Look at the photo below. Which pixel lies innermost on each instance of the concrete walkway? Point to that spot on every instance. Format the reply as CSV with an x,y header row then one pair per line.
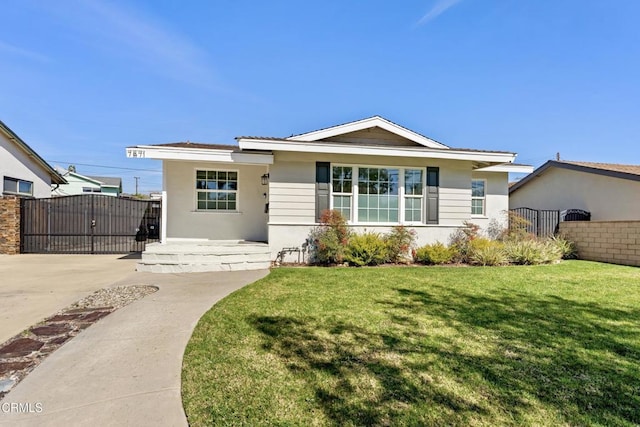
x,y
125,369
33,287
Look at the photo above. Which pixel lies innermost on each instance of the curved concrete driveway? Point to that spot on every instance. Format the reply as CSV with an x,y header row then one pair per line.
x,y
125,369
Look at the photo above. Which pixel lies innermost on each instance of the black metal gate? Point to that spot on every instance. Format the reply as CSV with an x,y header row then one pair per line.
x,y
88,224
542,223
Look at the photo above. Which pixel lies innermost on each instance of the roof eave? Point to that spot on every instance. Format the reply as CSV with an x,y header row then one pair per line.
x,y
328,148
56,178
198,154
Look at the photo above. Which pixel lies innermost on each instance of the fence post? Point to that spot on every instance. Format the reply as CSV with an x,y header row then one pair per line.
x,y
9,225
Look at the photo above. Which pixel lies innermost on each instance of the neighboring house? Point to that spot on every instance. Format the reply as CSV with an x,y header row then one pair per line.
x,y
24,173
608,191
84,184
377,173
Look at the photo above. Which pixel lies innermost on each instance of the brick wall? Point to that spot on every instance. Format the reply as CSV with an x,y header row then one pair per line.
x,y
9,225
617,242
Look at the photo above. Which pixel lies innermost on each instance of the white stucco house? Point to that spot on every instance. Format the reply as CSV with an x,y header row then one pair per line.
x,y
24,173
376,172
85,184
611,192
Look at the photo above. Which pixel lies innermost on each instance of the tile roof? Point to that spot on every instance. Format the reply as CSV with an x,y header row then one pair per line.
x,y
613,167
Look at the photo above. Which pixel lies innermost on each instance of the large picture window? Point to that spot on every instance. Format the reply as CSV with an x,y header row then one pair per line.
x,y
217,190
478,196
374,194
17,186
378,195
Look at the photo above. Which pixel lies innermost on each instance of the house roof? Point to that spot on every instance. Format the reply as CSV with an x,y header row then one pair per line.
x,y
387,139
108,181
205,146
613,170
368,123
56,178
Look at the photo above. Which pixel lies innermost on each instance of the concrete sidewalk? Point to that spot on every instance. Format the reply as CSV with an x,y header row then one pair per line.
x,y
33,287
125,369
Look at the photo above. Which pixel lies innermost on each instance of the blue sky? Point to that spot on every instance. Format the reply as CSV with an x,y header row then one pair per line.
x,y
82,79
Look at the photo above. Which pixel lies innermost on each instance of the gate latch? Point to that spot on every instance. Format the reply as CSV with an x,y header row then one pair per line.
x,y
93,223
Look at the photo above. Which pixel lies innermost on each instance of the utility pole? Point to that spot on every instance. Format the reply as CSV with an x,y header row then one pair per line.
x,y
136,178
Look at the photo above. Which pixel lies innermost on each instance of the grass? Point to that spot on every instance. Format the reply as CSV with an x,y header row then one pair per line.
x,y
545,345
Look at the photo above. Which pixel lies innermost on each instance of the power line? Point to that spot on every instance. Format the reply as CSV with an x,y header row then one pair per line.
x,y
102,166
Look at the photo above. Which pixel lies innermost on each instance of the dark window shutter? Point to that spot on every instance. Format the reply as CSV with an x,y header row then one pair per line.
x,y
323,178
433,182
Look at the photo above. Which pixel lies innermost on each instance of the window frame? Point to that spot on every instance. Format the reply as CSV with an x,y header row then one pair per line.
x,y
17,181
196,190
483,198
353,220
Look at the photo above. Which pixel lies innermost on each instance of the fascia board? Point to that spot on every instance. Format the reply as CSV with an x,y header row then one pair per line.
x,y
204,155
366,124
315,147
506,168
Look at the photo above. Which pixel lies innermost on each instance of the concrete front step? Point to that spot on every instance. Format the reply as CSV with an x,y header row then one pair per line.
x,y
201,256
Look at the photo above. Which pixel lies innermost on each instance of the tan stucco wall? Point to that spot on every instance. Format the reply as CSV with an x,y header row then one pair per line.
x,y
605,197
183,221
616,242
15,163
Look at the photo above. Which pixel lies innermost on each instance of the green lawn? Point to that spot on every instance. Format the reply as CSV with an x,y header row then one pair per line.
x,y
544,345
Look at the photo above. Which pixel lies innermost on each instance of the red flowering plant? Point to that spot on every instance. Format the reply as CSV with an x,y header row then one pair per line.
x,y
328,241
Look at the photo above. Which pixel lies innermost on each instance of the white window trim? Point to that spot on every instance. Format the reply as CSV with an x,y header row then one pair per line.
x,y
484,199
18,181
215,211
401,194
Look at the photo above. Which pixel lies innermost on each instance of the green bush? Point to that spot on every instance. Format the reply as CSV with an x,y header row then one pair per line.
x,y
366,249
329,241
436,253
532,252
483,251
566,247
400,241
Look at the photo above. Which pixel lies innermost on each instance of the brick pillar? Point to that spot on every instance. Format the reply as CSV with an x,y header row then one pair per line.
x,y
9,225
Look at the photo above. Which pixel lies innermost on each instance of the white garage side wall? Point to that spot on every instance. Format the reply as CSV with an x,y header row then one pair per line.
x,y
14,163
497,198
607,198
185,222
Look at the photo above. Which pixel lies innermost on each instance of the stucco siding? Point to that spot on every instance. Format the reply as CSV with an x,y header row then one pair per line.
x,y
184,221
607,198
14,163
497,198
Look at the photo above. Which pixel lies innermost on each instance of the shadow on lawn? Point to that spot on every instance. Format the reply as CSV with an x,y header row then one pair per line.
x,y
579,361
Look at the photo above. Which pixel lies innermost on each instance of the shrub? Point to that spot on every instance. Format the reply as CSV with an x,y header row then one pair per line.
x,y
532,252
366,249
566,247
436,253
518,228
483,251
328,242
399,242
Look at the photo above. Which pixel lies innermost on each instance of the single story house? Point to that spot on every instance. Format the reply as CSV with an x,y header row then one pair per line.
x,y
24,173
609,191
376,172
85,184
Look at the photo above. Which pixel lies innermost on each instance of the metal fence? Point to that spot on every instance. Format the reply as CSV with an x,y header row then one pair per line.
x,y
542,223
88,224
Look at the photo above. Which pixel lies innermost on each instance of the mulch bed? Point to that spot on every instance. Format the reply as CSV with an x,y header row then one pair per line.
x,y
22,353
